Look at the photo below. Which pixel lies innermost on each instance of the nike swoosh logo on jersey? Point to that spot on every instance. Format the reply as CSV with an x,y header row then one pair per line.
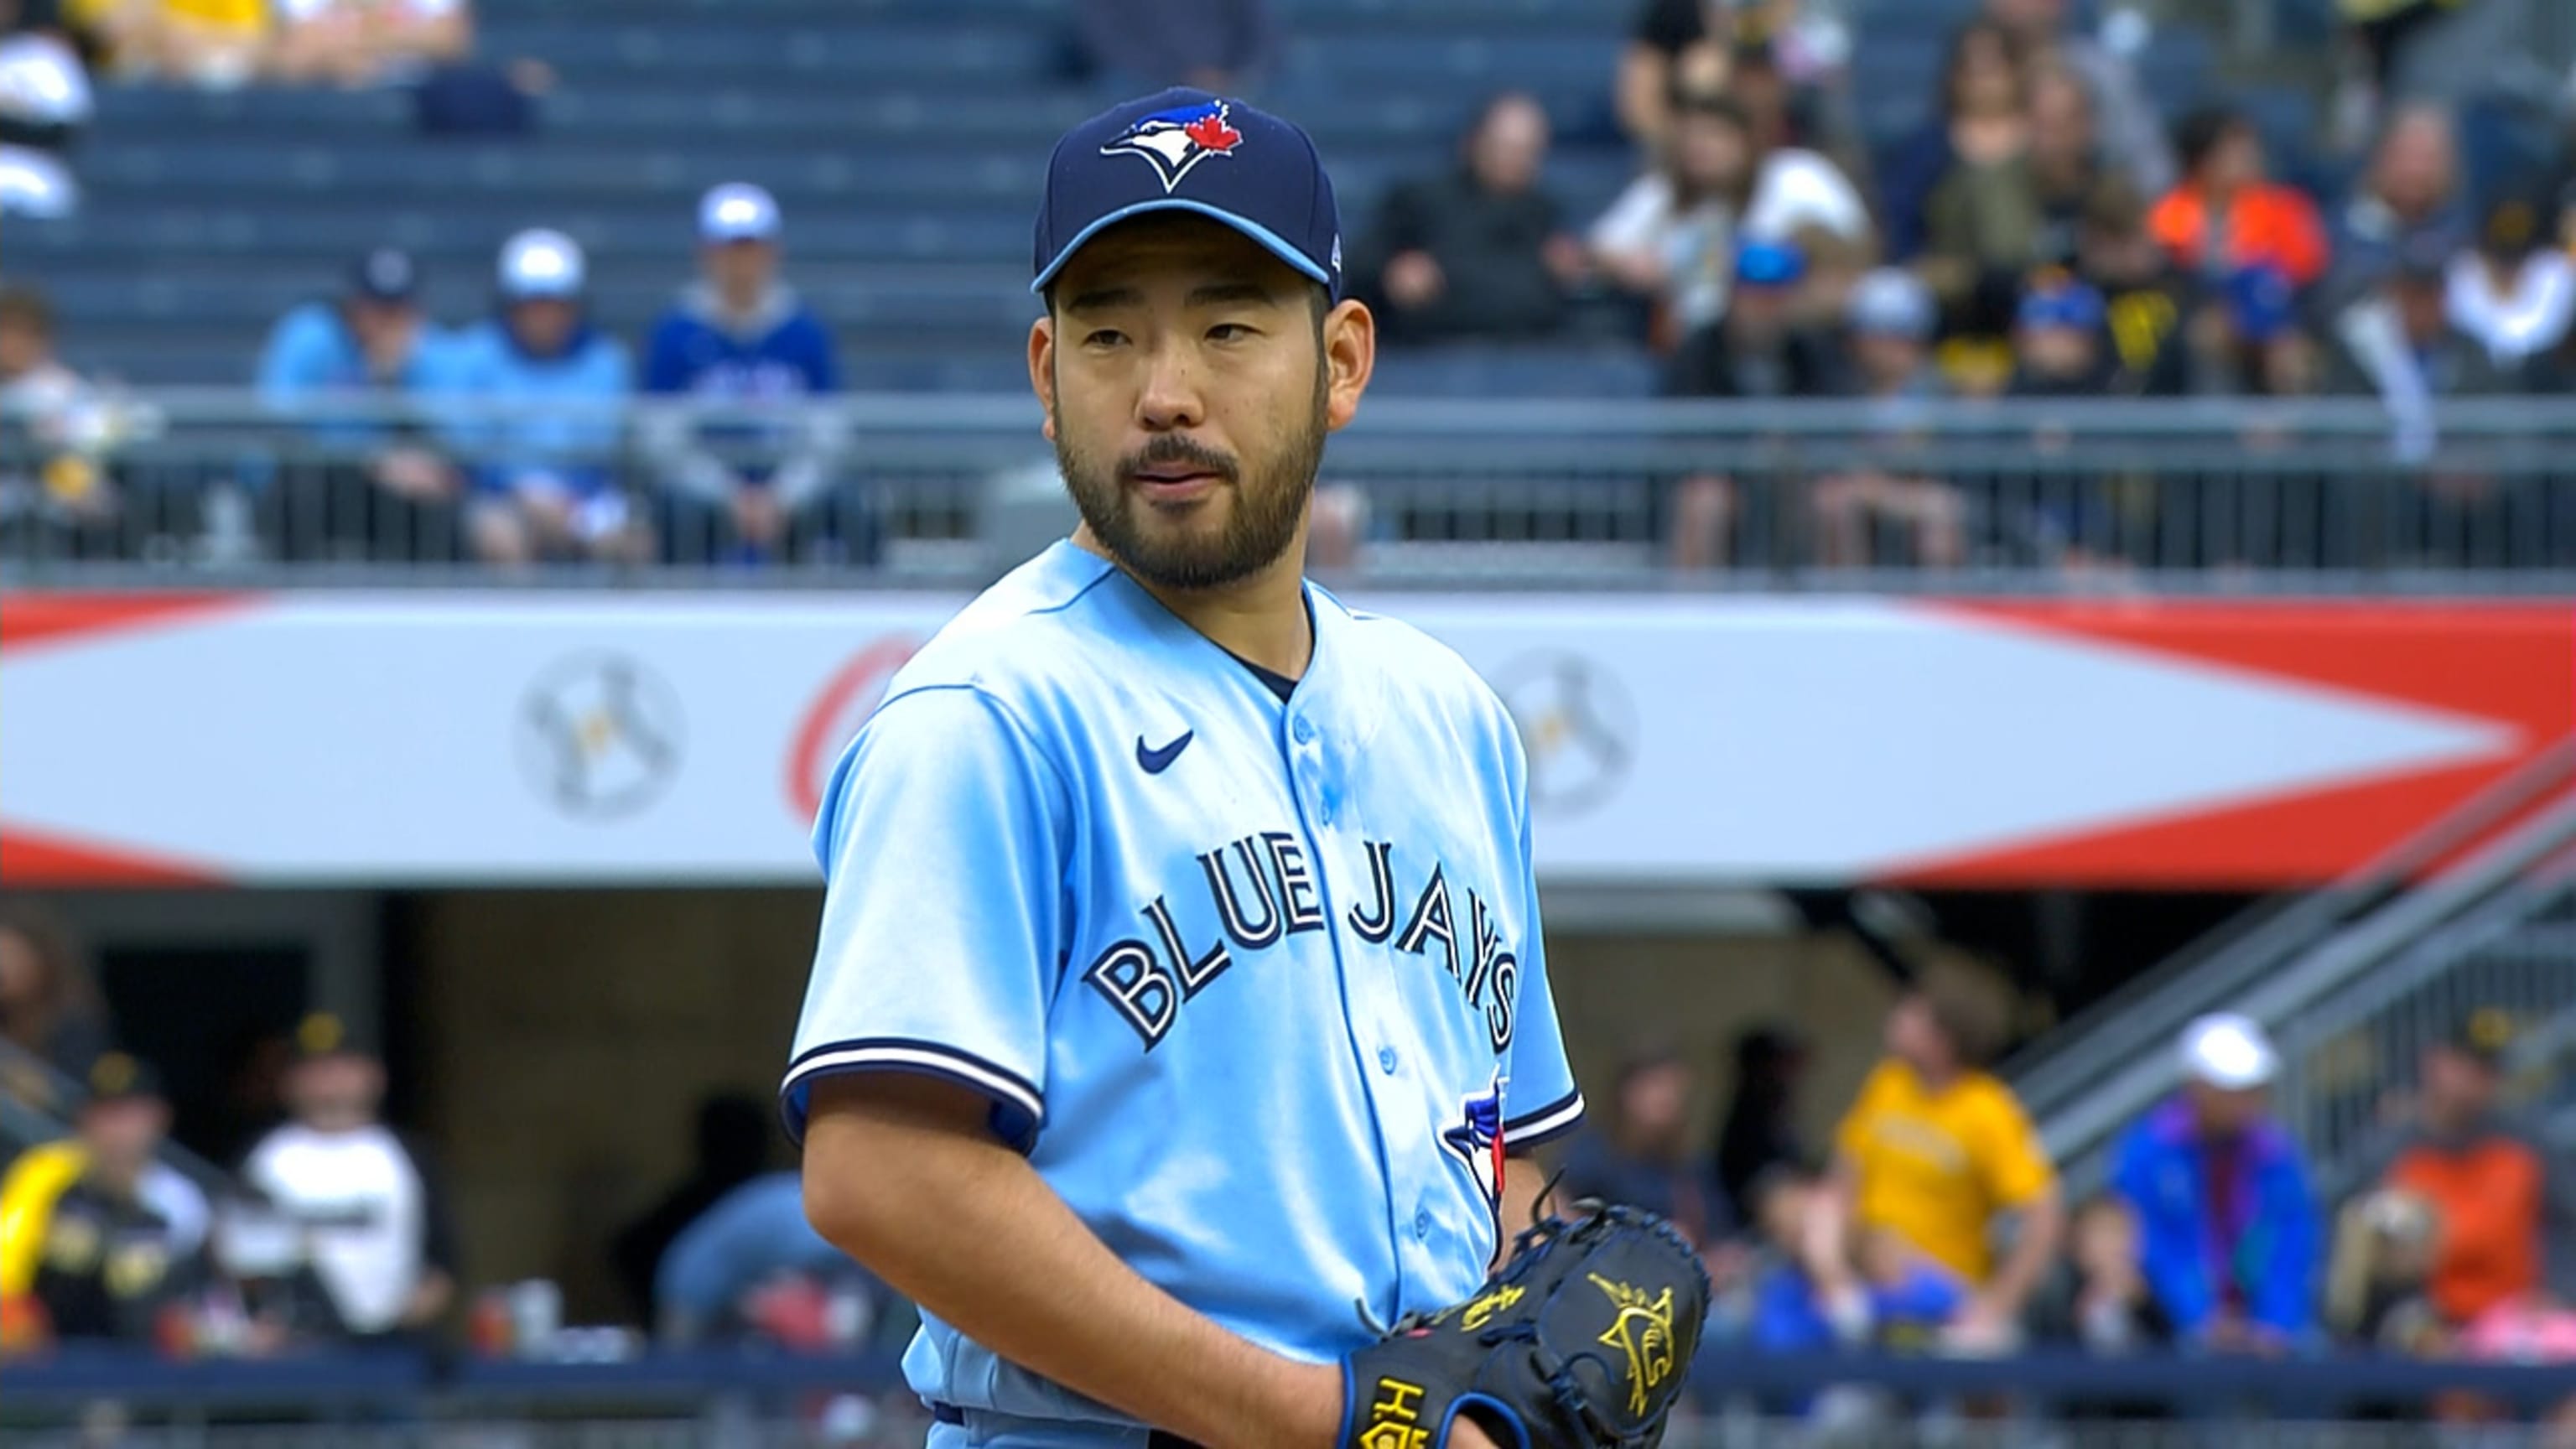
x,y
1157,761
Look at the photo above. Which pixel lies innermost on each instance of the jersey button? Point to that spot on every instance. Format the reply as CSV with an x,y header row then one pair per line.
x,y
1304,730
1386,1060
1422,1223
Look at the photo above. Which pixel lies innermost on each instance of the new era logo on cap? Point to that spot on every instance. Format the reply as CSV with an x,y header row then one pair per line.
x,y
1187,150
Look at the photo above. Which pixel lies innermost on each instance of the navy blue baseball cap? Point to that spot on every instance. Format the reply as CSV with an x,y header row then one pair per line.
x,y
1187,150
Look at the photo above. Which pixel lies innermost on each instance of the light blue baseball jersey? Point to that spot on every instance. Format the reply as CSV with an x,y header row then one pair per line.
x,y
1256,984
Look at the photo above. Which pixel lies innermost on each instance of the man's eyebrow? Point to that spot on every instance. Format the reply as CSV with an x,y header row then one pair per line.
x,y
1100,299
1217,293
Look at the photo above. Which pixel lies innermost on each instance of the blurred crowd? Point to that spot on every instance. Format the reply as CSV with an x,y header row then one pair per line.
x,y
2047,232
1931,1220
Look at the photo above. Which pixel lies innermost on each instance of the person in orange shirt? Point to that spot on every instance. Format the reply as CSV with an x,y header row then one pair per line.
x,y
1939,1153
2506,1205
2225,216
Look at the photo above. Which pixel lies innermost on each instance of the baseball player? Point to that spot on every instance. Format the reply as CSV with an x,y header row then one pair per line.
x,y
1179,1020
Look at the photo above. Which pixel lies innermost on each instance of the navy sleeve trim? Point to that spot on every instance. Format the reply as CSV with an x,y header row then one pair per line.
x,y
1021,1109
1547,1124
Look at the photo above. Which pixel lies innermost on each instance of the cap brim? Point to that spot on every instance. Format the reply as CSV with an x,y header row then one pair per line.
x,y
1270,241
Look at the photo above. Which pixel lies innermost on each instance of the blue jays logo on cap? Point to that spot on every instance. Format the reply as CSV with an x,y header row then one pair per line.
x,y
1177,140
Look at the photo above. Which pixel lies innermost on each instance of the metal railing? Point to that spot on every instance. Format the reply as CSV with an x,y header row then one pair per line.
x,y
2199,495
2214,971
2396,993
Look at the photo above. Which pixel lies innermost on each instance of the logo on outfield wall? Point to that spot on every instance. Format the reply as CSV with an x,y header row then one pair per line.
x,y
1578,725
600,735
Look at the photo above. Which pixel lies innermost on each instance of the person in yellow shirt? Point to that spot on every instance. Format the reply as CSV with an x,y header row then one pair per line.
x,y
1939,1152
198,42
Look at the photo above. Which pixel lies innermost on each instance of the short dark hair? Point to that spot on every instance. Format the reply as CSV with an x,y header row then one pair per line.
x,y
28,308
2201,133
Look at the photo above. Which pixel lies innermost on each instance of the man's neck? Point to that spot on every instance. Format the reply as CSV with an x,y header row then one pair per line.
x,y
1261,620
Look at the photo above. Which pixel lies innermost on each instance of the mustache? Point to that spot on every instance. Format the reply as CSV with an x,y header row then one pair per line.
x,y
1173,448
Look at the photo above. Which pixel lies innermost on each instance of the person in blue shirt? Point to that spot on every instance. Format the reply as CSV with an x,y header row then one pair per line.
x,y
530,403
345,366
739,343
2230,1239
750,1236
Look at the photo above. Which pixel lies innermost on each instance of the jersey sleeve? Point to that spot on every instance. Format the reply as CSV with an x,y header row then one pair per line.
x,y
1542,1103
942,841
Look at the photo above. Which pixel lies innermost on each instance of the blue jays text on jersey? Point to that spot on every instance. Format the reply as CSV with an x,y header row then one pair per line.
x,y
1257,985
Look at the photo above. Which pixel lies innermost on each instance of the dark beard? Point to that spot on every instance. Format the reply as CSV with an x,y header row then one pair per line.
x,y
1258,529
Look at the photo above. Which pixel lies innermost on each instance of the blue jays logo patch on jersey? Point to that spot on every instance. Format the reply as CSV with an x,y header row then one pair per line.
x,y
1477,1140
1177,140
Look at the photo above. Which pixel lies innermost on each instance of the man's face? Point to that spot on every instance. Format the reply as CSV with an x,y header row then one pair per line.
x,y
2458,1086
1759,312
1915,1037
121,1134
2238,160
2415,170
543,324
2056,351
1887,358
1188,396
1654,1103
23,348
1510,147
1711,152
740,271
383,328
336,1092
2225,1113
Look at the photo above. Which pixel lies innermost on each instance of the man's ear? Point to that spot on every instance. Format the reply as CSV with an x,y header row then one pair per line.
x,y
1350,359
1042,368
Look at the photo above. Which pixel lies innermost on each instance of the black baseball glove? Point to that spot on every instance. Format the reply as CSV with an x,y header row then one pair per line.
x,y
1580,1341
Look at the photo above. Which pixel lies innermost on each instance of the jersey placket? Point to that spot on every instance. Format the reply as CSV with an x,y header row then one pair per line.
x,y
1375,1011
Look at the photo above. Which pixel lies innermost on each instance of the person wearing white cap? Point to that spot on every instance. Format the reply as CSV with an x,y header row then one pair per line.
x,y
1887,324
538,414
739,339
2230,1238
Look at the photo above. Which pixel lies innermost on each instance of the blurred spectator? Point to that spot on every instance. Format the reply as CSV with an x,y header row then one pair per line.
x,y
2224,215
2410,191
1888,337
740,340
2143,301
2415,50
1761,1126
1839,1285
732,1146
1673,233
2111,1308
1137,47
2230,1238
2515,292
49,1007
2067,170
382,487
218,44
1479,252
56,490
45,105
1962,201
537,393
108,1261
1761,348
2132,131
1680,47
2397,343
1938,1152
2058,341
2504,1202
709,1284
2248,340
374,1224
357,43
1643,1158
